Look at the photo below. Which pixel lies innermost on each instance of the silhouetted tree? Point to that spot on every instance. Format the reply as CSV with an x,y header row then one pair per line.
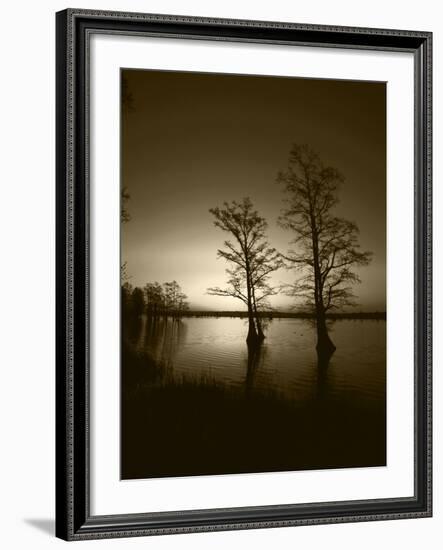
x,y
325,246
171,291
124,217
175,300
155,298
167,299
251,258
265,261
138,302
125,196
132,306
182,304
126,300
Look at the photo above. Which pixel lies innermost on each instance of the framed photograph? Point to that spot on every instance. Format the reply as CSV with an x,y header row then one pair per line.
x,y
243,274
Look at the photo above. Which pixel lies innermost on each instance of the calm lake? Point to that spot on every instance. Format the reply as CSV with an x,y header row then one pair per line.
x,y
215,348
195,401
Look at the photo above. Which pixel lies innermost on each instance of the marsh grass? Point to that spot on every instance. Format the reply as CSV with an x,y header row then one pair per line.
x,y
195,425
139,368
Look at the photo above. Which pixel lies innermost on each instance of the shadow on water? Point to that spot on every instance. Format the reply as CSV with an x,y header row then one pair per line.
x,y
323,382
162,338
149,350
131,329
255,358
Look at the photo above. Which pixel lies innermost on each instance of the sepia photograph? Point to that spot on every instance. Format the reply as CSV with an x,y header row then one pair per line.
x,y
253,274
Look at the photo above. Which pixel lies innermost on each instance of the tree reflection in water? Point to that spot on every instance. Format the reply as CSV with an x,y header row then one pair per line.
x,y
255,359
163,338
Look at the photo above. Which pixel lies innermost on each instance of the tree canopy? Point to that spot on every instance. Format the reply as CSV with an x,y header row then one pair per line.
x,y
250,257
325,247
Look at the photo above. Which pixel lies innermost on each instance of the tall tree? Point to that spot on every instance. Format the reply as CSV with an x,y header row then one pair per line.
x,y
124,214
182,304
138,301
171,292
250,257
124,218
325,247
175,299
155,298
126,299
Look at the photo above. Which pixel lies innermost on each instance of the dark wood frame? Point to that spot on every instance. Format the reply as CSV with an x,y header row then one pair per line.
x,y
73,518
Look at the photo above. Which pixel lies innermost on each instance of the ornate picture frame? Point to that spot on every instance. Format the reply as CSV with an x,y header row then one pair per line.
x,y
75,519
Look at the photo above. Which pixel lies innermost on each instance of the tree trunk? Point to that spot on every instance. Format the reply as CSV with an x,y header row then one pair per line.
x,y
260,333
325,346
252,337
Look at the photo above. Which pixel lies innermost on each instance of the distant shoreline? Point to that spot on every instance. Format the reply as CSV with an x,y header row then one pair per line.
x,y
377,315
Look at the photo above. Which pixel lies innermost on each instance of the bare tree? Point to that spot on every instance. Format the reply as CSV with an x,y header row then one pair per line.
x,y
251,260
175,299
326,247
125,217
138,302
155,299
124,276
265,261
165,300
124,214
171,292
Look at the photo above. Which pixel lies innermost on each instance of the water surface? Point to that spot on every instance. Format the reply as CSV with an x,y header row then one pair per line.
x,y
286,362
196,400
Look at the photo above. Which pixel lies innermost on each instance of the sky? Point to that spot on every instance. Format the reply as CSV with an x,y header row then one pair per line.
x,y
191,141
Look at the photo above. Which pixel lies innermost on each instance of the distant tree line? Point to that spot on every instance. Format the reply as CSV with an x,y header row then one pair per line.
x,y
154,299
165,300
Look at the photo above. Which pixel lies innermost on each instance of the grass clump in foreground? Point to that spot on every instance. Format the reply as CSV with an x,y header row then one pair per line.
x,y
199,426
